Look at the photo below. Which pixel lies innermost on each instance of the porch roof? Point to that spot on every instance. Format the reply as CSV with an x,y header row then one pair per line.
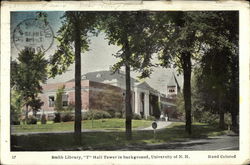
x,y
144,85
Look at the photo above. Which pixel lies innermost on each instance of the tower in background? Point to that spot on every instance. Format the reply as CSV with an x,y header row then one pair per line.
x,y
173,87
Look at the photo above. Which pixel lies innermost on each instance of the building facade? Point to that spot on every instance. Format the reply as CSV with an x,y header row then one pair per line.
x,y
104,90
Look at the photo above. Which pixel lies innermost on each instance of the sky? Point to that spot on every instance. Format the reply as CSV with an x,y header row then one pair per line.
x,y
98,58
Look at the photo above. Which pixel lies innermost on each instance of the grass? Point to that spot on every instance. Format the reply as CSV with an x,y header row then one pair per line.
x,y
176,132
108,124
110,140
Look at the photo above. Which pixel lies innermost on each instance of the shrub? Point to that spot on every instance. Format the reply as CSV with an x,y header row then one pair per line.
x,y
23,120
32,120
15,122
106,115
43,119
57,118
136,116
118,115
16,103
85,116
111,112
210,118
15,119
70,107
95,114
151,118
101,115
51,117
67,117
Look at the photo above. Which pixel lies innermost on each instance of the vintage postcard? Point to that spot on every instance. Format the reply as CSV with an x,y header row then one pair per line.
x,y
125,82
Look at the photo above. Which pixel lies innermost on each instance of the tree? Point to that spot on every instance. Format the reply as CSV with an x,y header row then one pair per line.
x,y
218,83
16,106
139,41
27,75
73,40
35,104
171,36
58,102
126,29
177,44
219,66
182,38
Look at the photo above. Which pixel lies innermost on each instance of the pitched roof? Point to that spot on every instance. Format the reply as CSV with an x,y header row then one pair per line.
x,y
173,81
100,76
145,85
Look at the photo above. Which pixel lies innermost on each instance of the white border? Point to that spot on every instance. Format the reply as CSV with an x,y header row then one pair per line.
x,y
196,157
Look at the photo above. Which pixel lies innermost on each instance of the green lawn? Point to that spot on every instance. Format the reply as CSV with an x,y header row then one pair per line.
x,y
110,140
108,124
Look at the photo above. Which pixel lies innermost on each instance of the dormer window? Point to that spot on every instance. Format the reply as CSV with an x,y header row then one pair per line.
x,y
98,75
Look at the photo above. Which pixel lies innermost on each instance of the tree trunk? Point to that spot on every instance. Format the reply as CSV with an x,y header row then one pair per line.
x,y
128,105
78,101
128,108
186,66
235,94
221,111
222,122
234,122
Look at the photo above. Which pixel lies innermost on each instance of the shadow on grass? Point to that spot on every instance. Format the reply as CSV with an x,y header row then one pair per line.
x,y
112,140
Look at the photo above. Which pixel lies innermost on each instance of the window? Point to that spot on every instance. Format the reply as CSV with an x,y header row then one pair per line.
x,y
65,100
51,101
171,90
